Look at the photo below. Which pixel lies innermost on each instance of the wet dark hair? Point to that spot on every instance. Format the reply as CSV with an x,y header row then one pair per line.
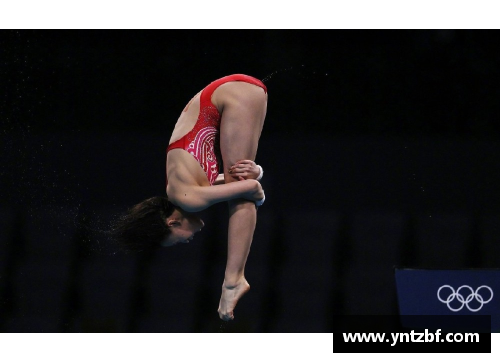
x,y
143,226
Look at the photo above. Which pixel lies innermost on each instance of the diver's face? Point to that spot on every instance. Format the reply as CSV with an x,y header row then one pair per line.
x,y
183,226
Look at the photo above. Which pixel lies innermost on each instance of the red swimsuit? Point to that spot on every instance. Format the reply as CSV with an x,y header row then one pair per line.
x,y
203,140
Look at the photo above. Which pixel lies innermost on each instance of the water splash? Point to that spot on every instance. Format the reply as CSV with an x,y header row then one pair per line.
x,y
302,71
269,76
222,327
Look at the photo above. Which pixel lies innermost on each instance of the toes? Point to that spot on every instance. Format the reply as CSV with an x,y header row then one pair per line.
x,y
226,317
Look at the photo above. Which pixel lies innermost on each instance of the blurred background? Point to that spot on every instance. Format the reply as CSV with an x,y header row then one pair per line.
x,y
380,149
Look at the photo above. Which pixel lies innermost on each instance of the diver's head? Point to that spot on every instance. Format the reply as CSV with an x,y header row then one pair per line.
x,y
153,223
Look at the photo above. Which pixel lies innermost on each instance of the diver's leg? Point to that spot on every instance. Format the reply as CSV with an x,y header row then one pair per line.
x,y
241,126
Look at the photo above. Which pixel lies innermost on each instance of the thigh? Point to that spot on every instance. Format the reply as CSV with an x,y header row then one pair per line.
x,y
241,123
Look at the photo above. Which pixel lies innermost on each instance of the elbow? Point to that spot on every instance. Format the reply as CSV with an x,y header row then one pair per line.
x,y
255,185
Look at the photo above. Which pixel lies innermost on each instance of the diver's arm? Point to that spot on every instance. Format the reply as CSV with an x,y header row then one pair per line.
x,y
198,198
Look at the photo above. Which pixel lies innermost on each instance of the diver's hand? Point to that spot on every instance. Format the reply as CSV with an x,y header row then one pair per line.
x,y
245,170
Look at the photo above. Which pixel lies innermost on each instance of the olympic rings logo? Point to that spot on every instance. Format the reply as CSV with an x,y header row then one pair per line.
x,y
479,297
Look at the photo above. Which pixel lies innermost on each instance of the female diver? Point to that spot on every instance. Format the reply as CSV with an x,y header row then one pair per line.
x,y
224,119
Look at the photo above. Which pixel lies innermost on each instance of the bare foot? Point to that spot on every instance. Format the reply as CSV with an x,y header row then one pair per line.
x,y
230,296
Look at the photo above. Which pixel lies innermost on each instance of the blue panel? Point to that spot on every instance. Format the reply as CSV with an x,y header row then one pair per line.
x,y
461,292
